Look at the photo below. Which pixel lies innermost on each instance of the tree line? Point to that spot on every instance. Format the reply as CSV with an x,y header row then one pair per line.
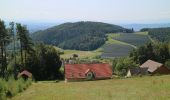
x,y
41,60
159,34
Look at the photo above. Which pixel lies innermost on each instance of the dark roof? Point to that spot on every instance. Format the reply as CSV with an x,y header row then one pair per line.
x,y
25,72
151,65
78,71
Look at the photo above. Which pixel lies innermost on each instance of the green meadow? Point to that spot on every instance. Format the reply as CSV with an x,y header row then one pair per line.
x,y
135,88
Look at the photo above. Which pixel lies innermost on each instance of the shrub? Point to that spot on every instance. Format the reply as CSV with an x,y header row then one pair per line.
x,y
12,87
3,89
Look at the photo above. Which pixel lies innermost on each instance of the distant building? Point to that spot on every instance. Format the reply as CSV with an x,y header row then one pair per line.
x,y
74,72
155,67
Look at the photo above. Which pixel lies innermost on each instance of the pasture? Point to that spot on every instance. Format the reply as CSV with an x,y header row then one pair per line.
x,y
81,54
136,88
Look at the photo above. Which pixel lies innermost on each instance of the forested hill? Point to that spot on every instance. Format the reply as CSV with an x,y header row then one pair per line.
x,y
79,35
160,34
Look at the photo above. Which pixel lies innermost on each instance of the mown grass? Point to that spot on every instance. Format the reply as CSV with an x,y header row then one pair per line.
x,y
137,88
81,54
141,33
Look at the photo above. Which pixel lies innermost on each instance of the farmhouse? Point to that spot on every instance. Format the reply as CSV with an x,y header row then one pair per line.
x,y
155,67
25,74
75,72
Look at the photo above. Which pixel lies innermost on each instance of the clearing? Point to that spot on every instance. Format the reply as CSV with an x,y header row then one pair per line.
x,y
136,88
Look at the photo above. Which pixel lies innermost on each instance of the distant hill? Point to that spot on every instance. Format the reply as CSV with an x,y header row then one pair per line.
x,y
138,27
79,35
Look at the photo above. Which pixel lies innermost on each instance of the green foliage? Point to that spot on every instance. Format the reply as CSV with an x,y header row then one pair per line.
x,y
167,63
4,40
11,87
79,36
3,89
44,63
154,51
121,65
144,29
160,34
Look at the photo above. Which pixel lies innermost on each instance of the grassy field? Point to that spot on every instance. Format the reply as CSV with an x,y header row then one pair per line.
x,y
82,54
137,88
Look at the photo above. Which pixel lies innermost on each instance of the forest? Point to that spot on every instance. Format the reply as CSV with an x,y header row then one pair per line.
x,y
80,35
159,34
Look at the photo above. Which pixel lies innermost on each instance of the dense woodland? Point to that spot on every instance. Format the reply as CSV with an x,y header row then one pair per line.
x,y
79,36
160,34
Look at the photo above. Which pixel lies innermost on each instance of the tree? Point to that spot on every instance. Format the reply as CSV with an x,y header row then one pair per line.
x,y
12,32
121,65
4,39
44,63
154,51
167,63
25,42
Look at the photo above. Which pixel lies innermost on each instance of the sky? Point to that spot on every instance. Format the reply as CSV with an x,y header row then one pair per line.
x,y
113,11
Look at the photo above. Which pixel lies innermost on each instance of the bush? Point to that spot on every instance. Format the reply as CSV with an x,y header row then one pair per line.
x,y
11,87
3,89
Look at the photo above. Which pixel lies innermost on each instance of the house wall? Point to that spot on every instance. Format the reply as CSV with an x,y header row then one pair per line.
x,y
162,70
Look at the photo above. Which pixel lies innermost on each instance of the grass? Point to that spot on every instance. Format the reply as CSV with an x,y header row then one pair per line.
x,y
141,33
81,54
137,88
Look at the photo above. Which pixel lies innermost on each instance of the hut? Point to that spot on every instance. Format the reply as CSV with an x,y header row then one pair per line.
x,y
154,67
25,74
75,72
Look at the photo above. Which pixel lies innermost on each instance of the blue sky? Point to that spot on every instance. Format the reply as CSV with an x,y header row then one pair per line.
x,y
113,11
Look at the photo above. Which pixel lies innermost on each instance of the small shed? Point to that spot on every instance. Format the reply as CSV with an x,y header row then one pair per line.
x,y
87,71
25,74
154,67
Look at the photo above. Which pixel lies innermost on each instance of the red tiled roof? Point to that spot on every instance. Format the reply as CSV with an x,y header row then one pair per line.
x,y
25,72
78,71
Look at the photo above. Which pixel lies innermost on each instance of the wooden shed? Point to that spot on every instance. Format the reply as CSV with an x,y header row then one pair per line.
x,y
25,74
154,67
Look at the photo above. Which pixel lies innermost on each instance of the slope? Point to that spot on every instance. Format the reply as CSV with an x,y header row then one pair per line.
x,y
77,36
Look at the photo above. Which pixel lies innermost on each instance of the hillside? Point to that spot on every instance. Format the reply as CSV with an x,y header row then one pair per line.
x,y
78,36
160,34
115,46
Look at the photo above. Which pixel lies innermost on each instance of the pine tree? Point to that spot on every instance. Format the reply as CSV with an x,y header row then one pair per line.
x,y
4,39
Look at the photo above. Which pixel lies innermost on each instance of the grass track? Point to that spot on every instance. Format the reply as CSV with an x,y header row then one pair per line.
x,y
137,88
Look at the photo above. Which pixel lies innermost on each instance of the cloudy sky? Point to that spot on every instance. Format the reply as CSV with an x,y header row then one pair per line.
x,y
114,11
